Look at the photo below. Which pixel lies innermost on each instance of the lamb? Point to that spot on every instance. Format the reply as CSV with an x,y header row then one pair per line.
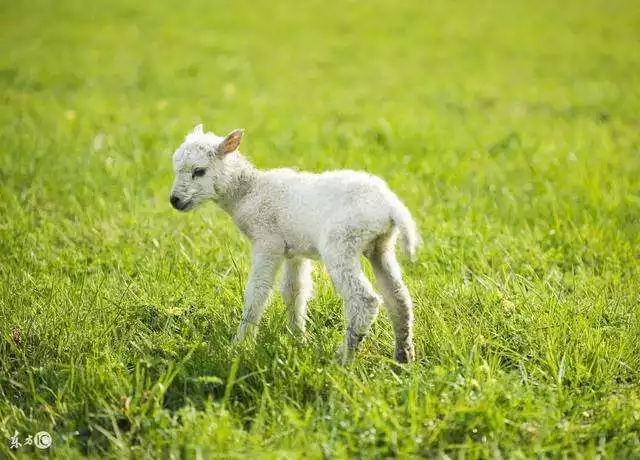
x,y
291,217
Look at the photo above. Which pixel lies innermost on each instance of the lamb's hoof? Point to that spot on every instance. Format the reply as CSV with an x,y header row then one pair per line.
x,y
239,340
343,356
405,353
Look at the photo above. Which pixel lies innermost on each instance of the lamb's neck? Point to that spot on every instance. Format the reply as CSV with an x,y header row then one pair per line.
x,y
240,183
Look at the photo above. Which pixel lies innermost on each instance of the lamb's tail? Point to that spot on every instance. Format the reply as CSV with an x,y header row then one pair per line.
x,y
410,239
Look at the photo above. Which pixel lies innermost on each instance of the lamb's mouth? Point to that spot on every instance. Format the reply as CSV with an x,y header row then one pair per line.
x,y
184,206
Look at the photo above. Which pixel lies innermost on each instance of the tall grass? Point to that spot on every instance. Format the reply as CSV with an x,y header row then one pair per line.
x,y
510,129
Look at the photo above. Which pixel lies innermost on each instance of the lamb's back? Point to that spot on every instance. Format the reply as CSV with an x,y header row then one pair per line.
x,y
317,197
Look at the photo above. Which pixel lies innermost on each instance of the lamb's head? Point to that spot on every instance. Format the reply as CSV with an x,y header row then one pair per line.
x,y
202,167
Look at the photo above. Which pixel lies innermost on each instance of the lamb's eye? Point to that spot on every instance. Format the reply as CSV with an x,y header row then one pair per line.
x,y
198,172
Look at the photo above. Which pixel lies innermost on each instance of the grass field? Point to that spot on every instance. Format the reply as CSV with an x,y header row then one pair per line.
x,y
509,128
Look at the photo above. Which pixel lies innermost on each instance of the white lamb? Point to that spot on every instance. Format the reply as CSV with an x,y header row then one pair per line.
x,y
294,216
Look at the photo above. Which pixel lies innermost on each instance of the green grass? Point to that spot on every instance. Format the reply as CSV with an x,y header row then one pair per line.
x,y
509,128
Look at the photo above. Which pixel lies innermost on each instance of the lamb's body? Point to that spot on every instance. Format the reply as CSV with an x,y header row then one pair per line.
x,y
300,213
294,216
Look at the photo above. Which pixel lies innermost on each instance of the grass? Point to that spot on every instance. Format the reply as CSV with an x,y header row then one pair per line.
x,y
509,128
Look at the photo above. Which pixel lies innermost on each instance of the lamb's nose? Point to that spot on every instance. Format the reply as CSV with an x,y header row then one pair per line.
x,y
175,201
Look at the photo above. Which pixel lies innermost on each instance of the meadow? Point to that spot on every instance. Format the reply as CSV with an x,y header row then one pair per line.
x,y
511,130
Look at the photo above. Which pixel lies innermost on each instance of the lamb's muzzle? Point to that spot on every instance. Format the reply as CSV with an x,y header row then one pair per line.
x,y
177,203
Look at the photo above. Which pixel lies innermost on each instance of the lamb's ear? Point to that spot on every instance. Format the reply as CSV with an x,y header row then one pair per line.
x,y
231,142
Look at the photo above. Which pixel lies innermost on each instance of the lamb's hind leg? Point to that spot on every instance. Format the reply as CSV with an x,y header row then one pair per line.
x,y
296,287
361,301
396,296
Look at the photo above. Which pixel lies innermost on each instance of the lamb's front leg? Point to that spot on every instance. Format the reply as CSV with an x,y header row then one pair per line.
x,y
264,267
